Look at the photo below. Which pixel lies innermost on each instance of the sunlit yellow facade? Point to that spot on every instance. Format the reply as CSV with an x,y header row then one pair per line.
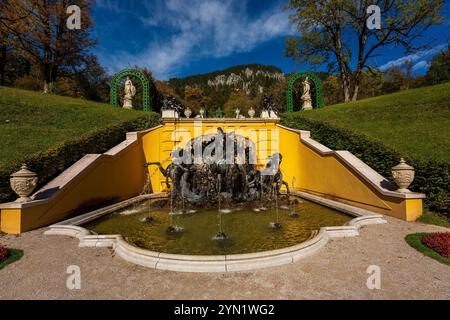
x,y
120,173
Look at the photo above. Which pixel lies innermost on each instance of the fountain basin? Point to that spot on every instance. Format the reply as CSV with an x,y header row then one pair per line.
x,y
219,262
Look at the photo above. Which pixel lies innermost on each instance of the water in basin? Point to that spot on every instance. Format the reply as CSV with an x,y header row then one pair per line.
x,y
247,230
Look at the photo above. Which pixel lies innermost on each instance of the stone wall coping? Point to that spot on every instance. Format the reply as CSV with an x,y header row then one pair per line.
x,y
74,171
377,181
225,120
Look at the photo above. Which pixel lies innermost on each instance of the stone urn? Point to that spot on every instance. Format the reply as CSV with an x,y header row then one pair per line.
x,y
23,183
251,112
188,112
403,175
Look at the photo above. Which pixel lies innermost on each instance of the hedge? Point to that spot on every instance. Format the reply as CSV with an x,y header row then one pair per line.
x,y
432,177
52,162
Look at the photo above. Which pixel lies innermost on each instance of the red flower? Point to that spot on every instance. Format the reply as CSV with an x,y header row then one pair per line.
x,y
3,253
439,242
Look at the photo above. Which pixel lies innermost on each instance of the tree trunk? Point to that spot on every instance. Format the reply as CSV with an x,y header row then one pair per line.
x,y
355,92
345,86
2,64
357,85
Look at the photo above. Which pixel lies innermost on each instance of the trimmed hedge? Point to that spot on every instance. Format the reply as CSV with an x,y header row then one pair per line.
x,y
52,162
432,177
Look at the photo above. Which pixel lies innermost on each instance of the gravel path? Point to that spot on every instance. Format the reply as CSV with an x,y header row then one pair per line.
x,y
337,271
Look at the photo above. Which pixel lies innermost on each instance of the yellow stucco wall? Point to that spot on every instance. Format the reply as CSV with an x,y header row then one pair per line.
x,y
107,180
113,178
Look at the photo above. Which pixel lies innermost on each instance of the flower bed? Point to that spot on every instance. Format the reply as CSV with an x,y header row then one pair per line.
x,y
439,242
3,253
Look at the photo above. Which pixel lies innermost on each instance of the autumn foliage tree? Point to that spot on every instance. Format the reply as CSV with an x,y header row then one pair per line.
x,y
336,33
196,99
39,32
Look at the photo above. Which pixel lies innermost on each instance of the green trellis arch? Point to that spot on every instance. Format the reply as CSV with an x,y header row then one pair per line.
x,y
144,82
316,90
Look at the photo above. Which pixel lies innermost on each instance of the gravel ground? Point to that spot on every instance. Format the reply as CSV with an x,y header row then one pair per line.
x,y
337,271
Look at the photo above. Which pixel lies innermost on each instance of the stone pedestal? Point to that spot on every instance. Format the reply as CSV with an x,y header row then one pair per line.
x,y
170,114
127,103
265,114
307,104
273,115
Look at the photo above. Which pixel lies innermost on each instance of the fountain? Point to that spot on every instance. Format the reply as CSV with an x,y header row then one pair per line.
x,y
214,179
205,181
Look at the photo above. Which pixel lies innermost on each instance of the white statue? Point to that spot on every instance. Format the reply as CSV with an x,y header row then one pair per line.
x,y
130,92
306,97
238,113
273,115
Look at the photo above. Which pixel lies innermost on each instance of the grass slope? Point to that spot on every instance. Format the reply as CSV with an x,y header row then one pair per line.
x,y
413,122
435,219
32,122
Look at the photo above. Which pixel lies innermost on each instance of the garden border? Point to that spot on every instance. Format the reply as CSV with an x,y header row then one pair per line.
x,y
414,240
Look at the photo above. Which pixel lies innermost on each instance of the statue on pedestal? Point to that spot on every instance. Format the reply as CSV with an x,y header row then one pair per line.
x,y
306,97
130,92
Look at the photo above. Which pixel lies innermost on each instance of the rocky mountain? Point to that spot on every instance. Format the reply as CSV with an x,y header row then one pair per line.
x,y
253,79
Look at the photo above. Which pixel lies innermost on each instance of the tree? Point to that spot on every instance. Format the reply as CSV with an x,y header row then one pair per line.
x,y
394,80
238,100
92,80
278,92
195,99
335,32
43,38
12,13
439,70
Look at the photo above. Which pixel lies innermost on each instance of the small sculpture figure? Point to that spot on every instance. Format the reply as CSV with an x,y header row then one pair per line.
x,y
188,112
306,97
238,113
202,113
269,109
130,92
251,112
273,115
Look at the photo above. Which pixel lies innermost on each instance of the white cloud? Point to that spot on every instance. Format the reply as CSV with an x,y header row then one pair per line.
x,y
199,29
420,65
417,58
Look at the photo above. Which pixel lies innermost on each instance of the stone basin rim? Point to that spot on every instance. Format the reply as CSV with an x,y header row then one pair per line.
x,y
213,263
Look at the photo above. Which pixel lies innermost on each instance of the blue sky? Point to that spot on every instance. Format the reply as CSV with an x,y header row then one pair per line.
x,y
177,38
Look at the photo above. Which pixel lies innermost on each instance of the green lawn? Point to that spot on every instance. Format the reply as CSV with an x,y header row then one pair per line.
x,y
413,122
31,122
13,256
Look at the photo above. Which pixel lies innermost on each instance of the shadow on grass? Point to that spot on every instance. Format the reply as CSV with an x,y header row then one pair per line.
x,y
414,240
13,256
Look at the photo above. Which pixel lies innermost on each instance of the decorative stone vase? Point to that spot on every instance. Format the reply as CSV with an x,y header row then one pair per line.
x,y
188,112
251,112
403,175
23,183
